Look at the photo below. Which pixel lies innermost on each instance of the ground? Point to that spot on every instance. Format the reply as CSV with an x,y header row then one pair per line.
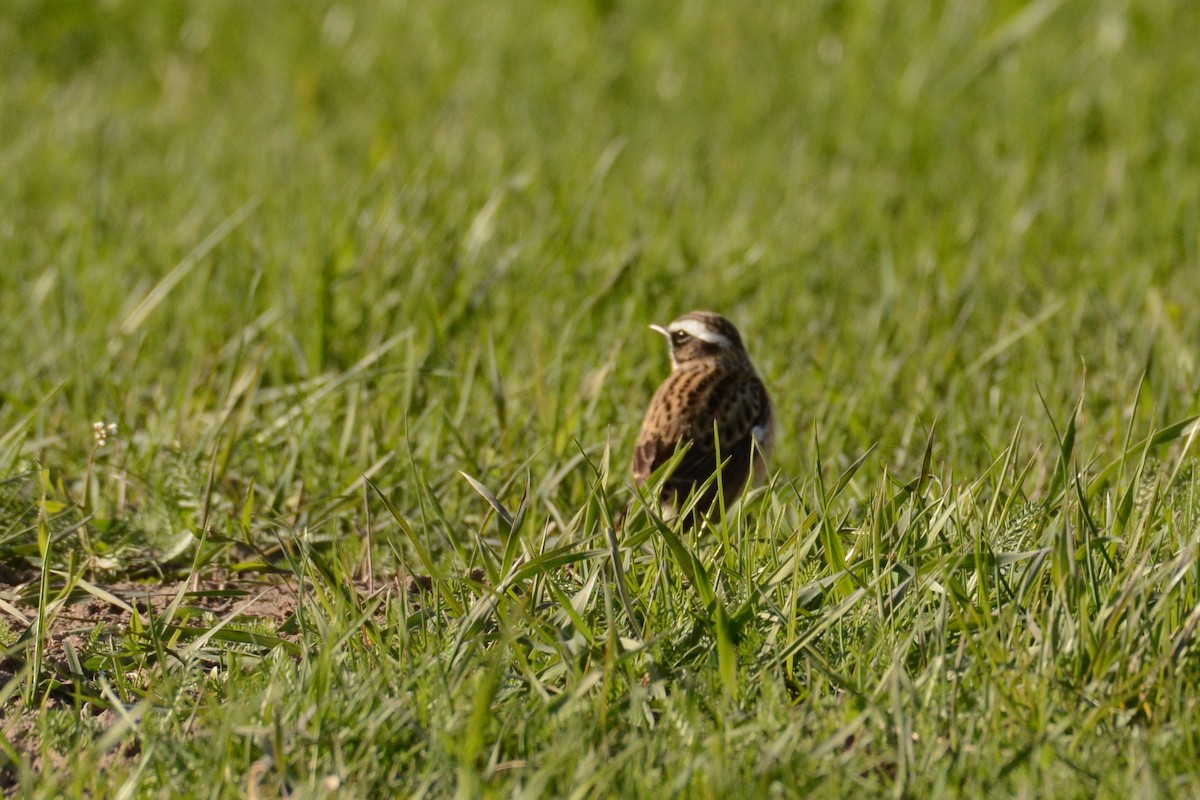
x,y
325,346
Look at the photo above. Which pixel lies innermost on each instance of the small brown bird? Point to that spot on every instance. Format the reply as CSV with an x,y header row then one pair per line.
x,y
712,384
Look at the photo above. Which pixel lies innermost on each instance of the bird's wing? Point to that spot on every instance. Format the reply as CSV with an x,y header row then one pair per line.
x,y
664,428
739,401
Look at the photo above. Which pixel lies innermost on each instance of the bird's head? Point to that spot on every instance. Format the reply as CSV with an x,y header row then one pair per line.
x,y
701,335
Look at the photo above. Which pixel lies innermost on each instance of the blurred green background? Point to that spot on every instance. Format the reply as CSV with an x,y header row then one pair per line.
x,y
911,211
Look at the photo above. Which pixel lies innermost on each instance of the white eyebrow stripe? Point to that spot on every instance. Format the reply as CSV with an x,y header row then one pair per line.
x,y
700,331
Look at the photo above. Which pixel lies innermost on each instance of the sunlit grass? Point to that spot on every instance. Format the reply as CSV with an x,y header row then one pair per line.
x,y
363,292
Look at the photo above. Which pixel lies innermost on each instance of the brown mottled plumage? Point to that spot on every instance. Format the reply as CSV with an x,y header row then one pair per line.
x,y
712,384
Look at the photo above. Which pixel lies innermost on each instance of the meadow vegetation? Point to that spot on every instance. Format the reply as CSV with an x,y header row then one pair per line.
x,y
364,288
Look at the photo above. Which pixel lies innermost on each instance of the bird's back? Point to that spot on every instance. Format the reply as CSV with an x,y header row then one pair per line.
x,y
693,401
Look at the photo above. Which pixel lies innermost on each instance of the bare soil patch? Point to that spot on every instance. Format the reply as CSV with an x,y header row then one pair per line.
x,y
88,617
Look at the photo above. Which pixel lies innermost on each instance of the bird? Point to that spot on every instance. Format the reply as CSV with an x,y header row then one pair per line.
x,y
713,386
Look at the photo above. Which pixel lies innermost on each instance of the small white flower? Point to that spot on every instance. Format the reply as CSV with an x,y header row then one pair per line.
x,y
102,432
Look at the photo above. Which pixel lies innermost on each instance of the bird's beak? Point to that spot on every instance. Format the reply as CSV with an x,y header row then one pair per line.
x,y
661,329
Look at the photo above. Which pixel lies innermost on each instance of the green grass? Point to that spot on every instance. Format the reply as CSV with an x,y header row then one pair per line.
x,y
318,261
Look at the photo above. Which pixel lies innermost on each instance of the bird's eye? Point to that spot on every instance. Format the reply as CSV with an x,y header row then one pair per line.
x,y
680,337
